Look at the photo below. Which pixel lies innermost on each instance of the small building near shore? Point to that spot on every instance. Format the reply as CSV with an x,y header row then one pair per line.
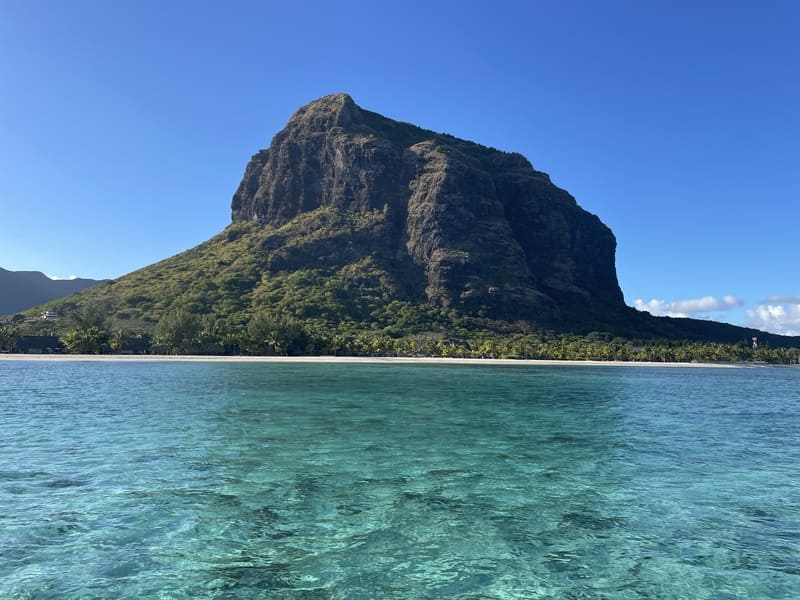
x,y
39,344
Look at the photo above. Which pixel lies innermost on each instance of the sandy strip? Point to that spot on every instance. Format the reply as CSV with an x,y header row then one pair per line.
x,y
355,359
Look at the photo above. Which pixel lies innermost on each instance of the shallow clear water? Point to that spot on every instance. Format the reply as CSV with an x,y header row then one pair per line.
x,y
220,480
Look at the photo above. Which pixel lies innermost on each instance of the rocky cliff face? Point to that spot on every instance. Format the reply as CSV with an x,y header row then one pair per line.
x,y
454,223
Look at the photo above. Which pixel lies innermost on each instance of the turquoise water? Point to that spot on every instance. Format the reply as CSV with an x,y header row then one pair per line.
x,y
234,480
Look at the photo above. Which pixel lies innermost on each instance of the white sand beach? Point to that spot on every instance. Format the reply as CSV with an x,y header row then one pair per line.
x,y
355,359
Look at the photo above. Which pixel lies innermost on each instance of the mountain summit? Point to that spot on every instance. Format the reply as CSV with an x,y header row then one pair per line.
x,y
449,222
356,233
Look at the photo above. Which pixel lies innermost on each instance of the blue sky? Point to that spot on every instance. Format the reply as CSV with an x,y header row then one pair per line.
x,y
125,127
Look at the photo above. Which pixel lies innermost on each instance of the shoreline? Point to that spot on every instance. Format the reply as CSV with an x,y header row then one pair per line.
x,y
358,359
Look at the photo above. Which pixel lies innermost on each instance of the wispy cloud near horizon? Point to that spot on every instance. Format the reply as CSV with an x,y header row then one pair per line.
x,y
781,299
687,308
781,316
57,278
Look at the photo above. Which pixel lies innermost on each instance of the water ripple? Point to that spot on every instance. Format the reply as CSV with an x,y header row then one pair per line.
x,y
375,481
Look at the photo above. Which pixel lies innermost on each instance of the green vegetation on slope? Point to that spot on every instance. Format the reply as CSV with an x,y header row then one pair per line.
x,y
314,286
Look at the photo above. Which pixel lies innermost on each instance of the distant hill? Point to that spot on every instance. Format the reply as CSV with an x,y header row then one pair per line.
x,y
21,290
351,223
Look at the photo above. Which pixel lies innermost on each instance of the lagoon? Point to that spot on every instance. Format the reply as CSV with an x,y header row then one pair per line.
x,y
327,480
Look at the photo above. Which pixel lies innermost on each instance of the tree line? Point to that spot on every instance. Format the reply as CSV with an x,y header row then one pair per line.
x,y
274,334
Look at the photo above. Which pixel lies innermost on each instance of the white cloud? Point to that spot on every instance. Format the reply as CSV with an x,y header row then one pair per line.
x,y
57,278
686,308
777,314
656,307
782,318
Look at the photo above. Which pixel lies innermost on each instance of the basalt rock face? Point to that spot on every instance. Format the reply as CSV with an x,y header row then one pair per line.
x,y
454,223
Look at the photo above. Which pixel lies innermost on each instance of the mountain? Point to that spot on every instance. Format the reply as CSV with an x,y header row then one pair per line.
x,y
451,223
352,222
21,290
